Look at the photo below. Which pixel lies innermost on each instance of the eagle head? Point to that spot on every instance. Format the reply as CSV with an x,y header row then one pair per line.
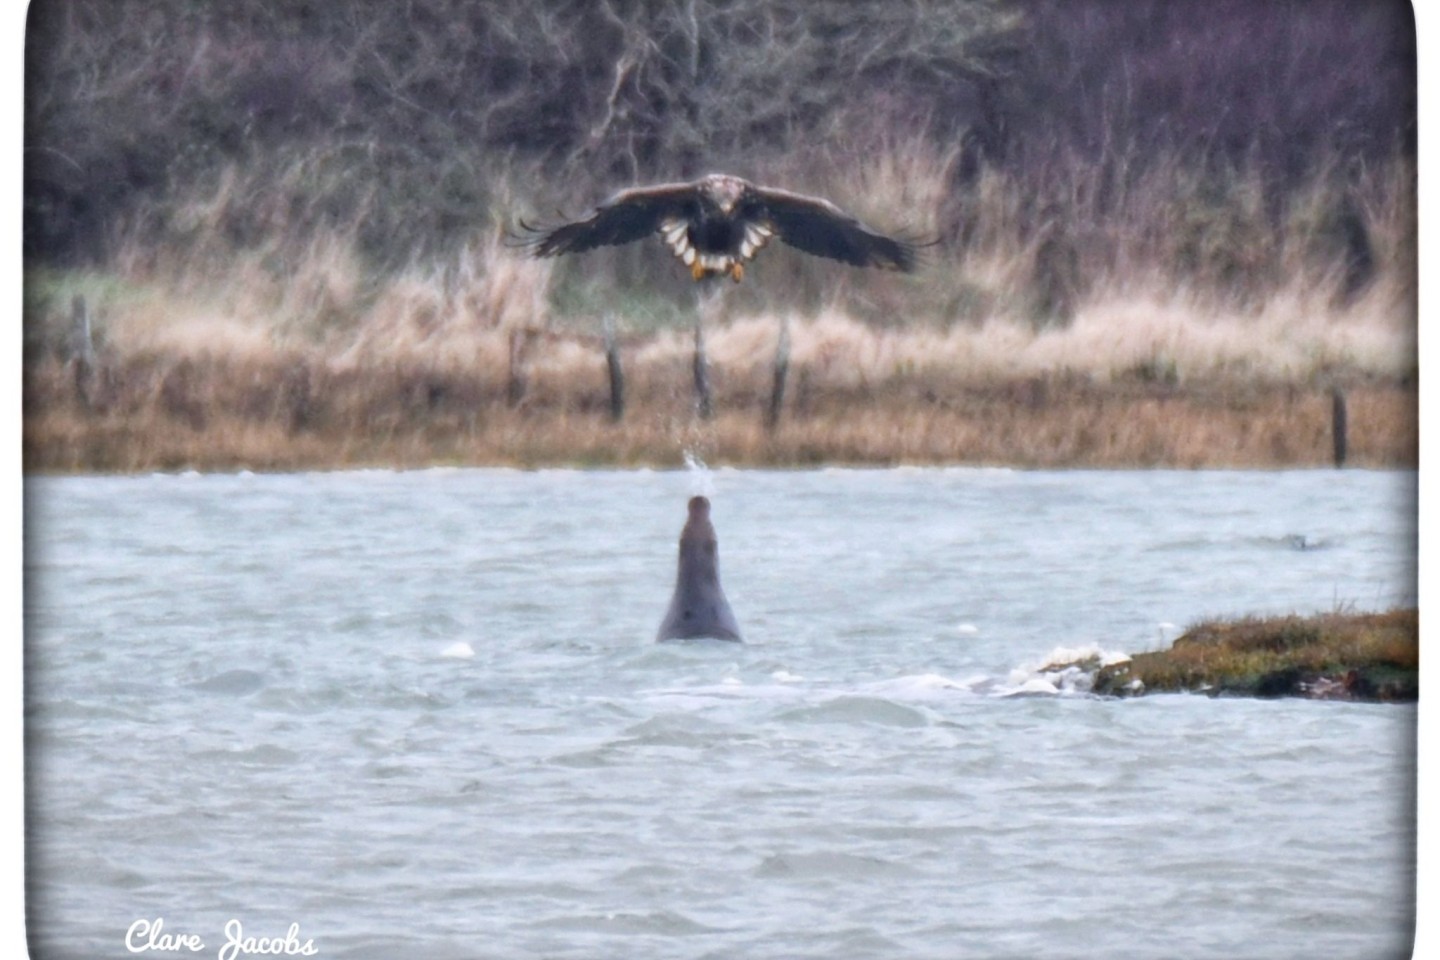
x,y
724,190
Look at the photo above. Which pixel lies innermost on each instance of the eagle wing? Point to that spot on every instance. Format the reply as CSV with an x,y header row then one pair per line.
x,y
627,216
816,226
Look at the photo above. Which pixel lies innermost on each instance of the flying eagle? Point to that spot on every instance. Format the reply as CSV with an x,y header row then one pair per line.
x,y
715,224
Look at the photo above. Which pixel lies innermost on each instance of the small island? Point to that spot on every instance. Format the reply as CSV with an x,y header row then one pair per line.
x,y
1372,657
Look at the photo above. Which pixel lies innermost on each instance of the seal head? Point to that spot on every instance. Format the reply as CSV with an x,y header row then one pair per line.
x,y
698,608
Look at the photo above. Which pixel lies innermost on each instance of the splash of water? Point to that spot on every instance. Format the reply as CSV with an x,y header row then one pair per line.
x,y
702,480
1064,670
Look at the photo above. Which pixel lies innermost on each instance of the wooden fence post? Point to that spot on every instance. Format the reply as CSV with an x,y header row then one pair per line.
x,y
782,368
515,385
617,375
82,351
1339,425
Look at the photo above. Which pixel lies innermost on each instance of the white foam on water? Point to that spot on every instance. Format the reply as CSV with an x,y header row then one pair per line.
x,y
458,651
967,628
1062,671
1065,656
1069,680
1033,686
921,686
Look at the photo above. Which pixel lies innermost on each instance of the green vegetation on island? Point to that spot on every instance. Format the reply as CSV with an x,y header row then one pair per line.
x,y
1332,656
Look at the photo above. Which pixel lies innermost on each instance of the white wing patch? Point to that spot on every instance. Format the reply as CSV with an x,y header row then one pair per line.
x,y
756,236
675,233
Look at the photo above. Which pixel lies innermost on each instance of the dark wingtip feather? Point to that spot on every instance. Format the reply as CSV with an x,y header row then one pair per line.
x,y
521,236
913,252
923,253
534,239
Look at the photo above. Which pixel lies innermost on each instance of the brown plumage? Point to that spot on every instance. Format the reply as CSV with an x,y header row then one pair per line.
x,y
717,223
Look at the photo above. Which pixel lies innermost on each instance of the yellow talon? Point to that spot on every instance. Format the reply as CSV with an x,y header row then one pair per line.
x,y
697,270
737,270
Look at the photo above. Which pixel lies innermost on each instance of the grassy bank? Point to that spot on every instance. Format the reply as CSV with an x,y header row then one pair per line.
x,y
1188,320
220,415
1347,656
177,383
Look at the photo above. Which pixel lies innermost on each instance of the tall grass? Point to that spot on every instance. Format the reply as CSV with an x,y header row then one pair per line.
x,y
1208,273
1176,317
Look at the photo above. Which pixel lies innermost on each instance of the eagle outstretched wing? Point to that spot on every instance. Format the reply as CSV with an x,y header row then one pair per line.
x,y
628,215
717,223
818,227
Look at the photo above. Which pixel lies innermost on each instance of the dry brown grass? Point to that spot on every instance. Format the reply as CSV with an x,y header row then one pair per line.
x,y
290,353
306,409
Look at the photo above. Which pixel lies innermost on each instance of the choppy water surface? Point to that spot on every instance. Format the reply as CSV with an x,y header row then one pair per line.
x,y
420,714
